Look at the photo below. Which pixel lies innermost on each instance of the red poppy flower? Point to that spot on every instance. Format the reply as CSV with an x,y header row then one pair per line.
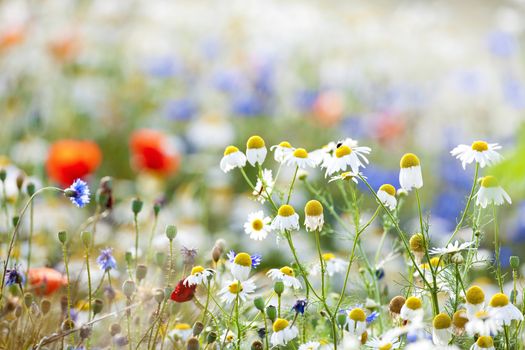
x,y
152,150
45,280
69,160
182,293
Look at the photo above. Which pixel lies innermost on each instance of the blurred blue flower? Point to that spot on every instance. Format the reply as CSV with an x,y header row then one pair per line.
x,y
502,44
14,276
372,317
305,99
514,92
181,109
228,81
78,193
299,306
105,260
162,67
247,105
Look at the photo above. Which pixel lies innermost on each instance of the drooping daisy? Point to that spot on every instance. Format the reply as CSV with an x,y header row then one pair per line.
x,y
256,150
480,151
442,329
417,246
183,331
356,321
300,158
286,275
242,263
459,320
412,310
322,154
475,300
346,156
346,176
258,226
483,323
198,275
504,311
451,248
233,158
333,264
286,219
314,218
236,289
282,151
263,188
387,196
491,192
410,174
484,342
283,332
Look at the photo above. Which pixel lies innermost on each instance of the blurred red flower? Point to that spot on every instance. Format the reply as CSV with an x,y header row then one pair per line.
x,y
69,160
182,293
152,150
45,280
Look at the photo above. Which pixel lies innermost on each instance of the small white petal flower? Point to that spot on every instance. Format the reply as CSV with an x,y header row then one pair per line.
x,y
314,217
198,275
286,275
256,150
442,329
503,310
451,248
264,187
242,263
233,158
283,332
258,226
347,175
412,309
236,288
182,330
286,219
345,156
484,342
356,322
387,196
300,158
410,174
481,152
333,265
491,193
282,151
483,323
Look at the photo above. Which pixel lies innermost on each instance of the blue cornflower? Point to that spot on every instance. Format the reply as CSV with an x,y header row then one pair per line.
x,y
380,273
105,260
78,193
372,317
14,276
300,305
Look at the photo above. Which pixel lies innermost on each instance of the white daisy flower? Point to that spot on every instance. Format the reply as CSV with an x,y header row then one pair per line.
x,y
242,263
490,192
314,218
198,275
233,158
387,341
475,298
356,322
236,289
410,174
483,323
345,156
256,150
480,151
504,311
333,265
484,342
286,219
451,248
322,154
300,158
442,329
264,187
412,310
228,338
182,331
283,332
347,175
282,151
286,275
387,196
312,345
258,226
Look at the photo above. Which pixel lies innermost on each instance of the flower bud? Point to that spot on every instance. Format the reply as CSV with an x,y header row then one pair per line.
x,y
396,304
211,337
3,175
159,295
156,208
259,303
62,237
457,258
197,328
302,174
514,262
136,206
98,305
271,312
160,259
341,319
257,345
278,287
85,332
128,288
28,299
171,232
15,220
141,272
114,329
30,189
86,237
45,306
128,257
216,254
193,344
67,325
20,178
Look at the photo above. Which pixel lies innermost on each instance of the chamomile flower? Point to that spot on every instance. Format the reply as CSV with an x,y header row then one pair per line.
x,y
504,311
442,329
346,176
300,158
256,150
227,337
412,310
417,246
475,298
344,157
198,275
333,265
356,321
322,154
312,345
242,263
314,218
483,323
263,188
387,341
490,192
387,196
459,320
484,342
233,158
258,226
410,174
286,275
286,219
283,332
480,151
236,289
451,248
183,331
282,151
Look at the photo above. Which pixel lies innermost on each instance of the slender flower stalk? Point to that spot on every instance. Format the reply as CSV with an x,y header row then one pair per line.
x,y
499,277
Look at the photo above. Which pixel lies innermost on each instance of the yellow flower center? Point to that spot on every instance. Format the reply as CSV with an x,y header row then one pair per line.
x,y
482,314
182,326
459,319
313,208
357,314
197,269
391,190
499,300
286,210
230,337
287,270
235,287
280,324
300,153
243,259
442,321
255,142
230,150
257,224
285,144
489,181
347,175
475,295
485,342
480,146
409,160
413,303
328,256
417,244
386,346
342,151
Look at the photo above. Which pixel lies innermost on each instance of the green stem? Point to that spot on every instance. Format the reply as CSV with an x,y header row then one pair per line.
x,y
497,249
68,296
321,262
136,224
292,184
30,243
